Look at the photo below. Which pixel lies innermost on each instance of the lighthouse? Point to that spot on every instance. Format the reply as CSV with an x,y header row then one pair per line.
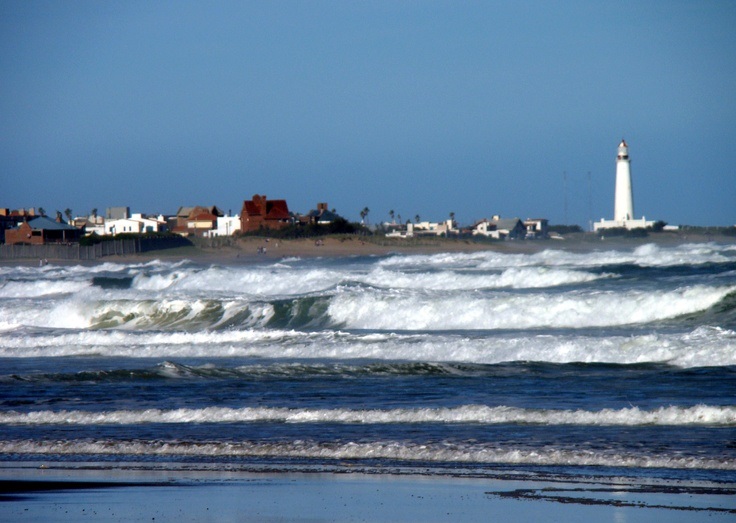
x,y
624,202
623,205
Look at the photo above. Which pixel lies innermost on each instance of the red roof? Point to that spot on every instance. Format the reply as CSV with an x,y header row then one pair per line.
x,y
202,216
275,209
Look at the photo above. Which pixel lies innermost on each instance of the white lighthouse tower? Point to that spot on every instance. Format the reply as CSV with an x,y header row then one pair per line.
x,y
624,203
623,207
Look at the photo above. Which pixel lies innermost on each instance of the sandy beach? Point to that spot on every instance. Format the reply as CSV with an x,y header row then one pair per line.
x,y
138,495
257,249
261,249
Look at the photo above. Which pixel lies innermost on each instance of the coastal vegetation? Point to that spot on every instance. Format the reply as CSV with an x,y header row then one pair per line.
x,y
311,230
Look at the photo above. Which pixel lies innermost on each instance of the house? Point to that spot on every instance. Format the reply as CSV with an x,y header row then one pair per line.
x,y
500,228
536,227
261,213
320,216
92,224
226,226
41,230
11,219
431,228
201,221
421,229
136,224
117,213
195,221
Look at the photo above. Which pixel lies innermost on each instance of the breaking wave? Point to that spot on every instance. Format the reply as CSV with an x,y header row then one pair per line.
x,y
433,453
701,347
372,310
357,307
477,414
648,255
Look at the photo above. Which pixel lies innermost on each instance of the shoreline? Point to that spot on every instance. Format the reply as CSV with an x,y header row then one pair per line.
x,y
164,495
249,250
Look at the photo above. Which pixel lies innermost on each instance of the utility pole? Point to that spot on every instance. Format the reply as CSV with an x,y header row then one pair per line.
x,y
564,190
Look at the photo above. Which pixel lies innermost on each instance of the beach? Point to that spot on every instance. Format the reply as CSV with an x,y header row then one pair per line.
x,y
124,495
255,249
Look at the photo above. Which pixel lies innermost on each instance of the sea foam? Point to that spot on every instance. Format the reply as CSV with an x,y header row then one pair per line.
x,y
440,452
724,416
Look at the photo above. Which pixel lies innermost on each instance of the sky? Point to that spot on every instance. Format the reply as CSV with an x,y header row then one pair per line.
x,y
423,108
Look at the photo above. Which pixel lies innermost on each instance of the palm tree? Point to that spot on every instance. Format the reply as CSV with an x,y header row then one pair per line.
x,y
364,213
391,215
417,218
68,214
42,211
452,218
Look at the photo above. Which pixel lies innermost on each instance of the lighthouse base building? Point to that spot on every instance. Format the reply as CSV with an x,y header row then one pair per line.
x,y
623,213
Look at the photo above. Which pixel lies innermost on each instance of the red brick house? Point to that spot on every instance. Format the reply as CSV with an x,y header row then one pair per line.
x,y
41,230
261,213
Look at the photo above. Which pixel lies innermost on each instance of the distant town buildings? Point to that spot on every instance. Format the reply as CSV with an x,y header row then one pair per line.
x,y
257,214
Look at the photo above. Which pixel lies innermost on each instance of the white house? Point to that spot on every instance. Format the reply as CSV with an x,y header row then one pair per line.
x,y
136,224
500,228
424,229
536,227
226,226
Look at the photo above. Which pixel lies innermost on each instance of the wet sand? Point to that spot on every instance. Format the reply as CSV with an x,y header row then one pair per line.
x,y
129,495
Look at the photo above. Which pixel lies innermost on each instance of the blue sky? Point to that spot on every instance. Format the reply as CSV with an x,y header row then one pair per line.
x,y
421,107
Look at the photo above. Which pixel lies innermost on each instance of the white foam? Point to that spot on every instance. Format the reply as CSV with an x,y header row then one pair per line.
x,y
514,278
476,414
40,288
704,346
648,255
254,281
420,311
440,452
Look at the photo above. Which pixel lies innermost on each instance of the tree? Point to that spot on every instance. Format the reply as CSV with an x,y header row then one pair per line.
x,y
391,215
94,212
42,211
364,213
417,218
452,217
68,214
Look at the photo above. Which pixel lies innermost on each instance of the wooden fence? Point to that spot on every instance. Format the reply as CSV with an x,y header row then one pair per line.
x,y
75,251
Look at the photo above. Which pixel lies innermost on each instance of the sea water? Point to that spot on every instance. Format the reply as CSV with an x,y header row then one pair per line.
x,y
609,362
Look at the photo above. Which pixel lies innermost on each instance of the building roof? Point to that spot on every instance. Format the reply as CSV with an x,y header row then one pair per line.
x,y
275,209
506,223
47,224
322,215
203,216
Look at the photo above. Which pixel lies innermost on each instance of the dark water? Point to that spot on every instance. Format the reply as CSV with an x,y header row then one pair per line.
x,y
607,363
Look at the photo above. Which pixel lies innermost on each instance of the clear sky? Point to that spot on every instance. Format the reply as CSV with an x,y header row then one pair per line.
x,y
422,107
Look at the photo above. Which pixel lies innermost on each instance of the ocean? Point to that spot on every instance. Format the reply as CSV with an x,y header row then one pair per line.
x,y
555,364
